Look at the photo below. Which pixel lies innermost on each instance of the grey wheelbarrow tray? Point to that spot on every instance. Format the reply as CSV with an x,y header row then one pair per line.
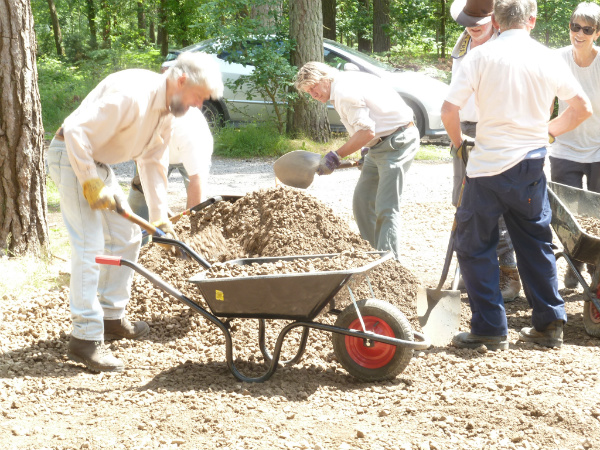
x,y
578,245
298,297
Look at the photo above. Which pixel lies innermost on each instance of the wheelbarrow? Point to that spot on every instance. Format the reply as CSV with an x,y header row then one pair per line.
x,y
372,339
578,245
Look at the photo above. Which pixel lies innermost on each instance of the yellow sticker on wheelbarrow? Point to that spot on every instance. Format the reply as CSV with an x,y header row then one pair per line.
x,y
219,295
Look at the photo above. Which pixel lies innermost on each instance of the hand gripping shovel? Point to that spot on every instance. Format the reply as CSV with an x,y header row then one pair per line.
x,y
298,168
439,310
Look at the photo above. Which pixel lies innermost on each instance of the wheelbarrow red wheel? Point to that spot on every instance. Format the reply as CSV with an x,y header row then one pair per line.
x,y
591,319
373,361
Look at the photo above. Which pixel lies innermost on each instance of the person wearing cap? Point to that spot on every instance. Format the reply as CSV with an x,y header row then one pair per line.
x,y
576,154
190,150
127,116
514,80
475,16
375,116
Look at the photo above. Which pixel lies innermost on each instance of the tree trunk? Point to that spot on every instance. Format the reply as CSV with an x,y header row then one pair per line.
x,y
141,19
306,27
106,18
23,225
381,25
152,33
329,29
56,28
91,14
163,34
362,34
443,29
266,12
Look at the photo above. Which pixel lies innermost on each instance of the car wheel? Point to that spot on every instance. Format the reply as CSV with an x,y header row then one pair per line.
x,y
212,114
418,117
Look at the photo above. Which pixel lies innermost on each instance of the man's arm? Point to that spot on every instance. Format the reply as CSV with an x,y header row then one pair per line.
x,y
579,109
356,142
451,120
194,191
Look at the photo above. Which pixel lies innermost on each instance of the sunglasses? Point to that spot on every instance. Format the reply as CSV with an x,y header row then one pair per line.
x,y
575,27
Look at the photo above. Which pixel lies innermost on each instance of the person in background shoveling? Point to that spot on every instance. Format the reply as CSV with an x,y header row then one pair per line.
x,y
514,80
476,16
577,153
127,116
190,151
376,117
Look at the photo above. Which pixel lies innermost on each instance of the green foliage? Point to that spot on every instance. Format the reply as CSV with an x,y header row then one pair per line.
x,y
250,141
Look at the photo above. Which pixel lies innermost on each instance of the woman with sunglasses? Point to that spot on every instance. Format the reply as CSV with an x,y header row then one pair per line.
x,y
577,153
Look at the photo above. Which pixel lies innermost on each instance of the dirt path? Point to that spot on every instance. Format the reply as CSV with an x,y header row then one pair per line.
x,y
177,391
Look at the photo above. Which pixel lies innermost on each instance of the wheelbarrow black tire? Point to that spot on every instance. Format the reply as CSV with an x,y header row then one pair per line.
x,y
591,319
382,361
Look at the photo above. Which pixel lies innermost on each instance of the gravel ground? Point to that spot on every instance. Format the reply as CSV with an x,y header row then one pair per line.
x,y
177,391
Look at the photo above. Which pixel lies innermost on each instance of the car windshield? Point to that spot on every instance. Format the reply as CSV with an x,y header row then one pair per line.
x,y
360,55
204,46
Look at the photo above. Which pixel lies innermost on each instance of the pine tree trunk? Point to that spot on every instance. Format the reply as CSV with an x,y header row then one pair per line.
x,y
56,28
329,28
443,29
364,11
163,34
23,225
91,14
141,19
306,27
381,24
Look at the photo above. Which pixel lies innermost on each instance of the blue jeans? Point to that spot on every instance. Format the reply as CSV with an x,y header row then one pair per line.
x,y
376,201
97,292
520,195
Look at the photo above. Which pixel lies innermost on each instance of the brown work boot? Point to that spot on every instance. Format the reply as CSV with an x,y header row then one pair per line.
x,y
510,283
469,340
123,328
94,355
551,336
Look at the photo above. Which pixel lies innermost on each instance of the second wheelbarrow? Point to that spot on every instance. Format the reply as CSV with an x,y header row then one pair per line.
x,y
372,339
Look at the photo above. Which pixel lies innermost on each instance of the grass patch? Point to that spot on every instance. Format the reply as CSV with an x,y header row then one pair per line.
x,y
433,153
52,196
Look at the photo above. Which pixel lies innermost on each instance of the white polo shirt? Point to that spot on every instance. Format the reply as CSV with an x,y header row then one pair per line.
x,y
191,143
366,102
514,80
125,117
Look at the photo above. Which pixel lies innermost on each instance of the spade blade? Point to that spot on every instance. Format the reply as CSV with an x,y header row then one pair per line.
x,y
297,168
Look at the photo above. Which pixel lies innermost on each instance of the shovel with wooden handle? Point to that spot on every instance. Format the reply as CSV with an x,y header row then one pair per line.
x,y
298,168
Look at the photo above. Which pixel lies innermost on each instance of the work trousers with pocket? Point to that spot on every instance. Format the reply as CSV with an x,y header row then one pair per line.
x,y
376,201
520,195
505,250
97,292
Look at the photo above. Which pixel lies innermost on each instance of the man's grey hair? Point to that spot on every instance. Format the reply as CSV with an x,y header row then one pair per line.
x,y
514,13
312,73
588,13
201,69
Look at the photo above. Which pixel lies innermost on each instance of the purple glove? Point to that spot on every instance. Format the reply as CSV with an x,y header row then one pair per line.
x,y
329,163
363,153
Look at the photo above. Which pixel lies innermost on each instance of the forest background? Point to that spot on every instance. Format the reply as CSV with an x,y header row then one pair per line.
x,y
82,41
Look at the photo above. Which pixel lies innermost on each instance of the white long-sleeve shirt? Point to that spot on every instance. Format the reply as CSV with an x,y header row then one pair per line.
x,y
125,117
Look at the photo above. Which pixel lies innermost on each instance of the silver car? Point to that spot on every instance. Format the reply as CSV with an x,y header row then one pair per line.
x,y
422,93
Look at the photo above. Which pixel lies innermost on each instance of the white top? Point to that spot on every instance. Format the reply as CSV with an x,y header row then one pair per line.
x,y
191,143
583,143
125,117
366,102
514,80
469,112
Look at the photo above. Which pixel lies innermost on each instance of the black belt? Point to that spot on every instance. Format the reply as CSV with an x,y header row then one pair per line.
x,y
398,130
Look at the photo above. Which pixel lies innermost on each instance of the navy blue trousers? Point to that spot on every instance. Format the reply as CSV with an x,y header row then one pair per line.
x,y
520,195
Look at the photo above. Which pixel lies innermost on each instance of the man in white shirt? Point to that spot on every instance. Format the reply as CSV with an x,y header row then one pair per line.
x,y
190,150
375,116
127,116
514,80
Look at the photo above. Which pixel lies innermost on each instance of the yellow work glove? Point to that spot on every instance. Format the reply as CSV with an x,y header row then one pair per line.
x,y
551,138
167,227
462,151
98,195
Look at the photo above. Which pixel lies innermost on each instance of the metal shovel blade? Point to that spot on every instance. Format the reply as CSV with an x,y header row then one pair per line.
x,y
297,168
439,314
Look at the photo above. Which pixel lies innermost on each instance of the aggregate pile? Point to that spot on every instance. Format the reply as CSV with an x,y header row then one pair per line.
x,y
591,225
